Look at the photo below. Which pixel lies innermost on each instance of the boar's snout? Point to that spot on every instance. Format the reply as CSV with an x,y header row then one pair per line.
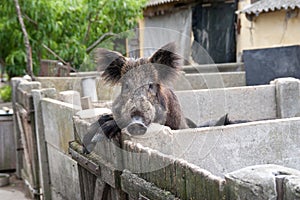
x,y
137,126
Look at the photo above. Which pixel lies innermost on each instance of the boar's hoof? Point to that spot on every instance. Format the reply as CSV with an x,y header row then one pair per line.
x,y
137,128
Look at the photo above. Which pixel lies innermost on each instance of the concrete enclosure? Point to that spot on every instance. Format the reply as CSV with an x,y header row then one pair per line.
x,y
255,160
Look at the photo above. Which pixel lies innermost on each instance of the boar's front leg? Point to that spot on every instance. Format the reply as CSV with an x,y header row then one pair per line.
x,y
105,126
110,128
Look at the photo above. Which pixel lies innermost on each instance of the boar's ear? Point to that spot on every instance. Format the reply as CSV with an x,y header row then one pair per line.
x,y
168,62
112,63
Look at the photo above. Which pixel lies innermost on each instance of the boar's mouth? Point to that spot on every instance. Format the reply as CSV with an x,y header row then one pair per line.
x,y
136,126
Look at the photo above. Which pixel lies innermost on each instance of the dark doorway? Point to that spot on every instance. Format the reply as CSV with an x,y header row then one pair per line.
x,y
213,28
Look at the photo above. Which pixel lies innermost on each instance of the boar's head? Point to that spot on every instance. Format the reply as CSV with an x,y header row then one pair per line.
x,y
145,97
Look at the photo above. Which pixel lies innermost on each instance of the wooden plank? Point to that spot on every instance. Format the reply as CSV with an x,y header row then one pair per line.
x,y
145,165
116,158
139,188
30,142
156,167
194,185
136,155
157,174
117,194
170,173
85,162
25,146
99,189
96,165
19,147
201,184
180,178
7,144
87,183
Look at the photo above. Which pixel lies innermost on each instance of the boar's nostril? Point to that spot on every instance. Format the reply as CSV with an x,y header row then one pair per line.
x,y
136,114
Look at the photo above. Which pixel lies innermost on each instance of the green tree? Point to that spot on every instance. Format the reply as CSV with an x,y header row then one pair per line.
x,y
69,28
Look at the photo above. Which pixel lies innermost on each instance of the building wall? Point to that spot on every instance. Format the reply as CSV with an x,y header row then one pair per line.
x,y
157,31
271,29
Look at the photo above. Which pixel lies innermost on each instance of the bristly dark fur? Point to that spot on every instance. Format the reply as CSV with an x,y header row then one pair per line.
x,y
112,63
170,101
165,60
166,56
147,95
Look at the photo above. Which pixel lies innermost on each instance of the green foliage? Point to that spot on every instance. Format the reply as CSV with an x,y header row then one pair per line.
x,y
68,27
5,93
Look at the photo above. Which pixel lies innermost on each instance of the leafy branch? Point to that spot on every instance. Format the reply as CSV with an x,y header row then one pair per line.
x,y
97,42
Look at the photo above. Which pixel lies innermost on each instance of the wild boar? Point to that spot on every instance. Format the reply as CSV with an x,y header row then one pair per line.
x,y
145,96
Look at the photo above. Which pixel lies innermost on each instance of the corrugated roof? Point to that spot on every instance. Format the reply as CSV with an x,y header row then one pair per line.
x,y
270,5
159,2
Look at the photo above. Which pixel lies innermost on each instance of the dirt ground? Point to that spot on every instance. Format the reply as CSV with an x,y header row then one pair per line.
x,y
16,190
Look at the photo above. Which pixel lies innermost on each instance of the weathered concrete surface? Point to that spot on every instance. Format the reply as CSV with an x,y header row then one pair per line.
x,y
7,144
104,91
210,80
93,113
85,74
84,118
27,86
16,190
89,87
288,97
108,150
64,175
58,124
61,83
23,92
70,96
86,103
224,149
218,67
40,137
241,103
259,182
291,187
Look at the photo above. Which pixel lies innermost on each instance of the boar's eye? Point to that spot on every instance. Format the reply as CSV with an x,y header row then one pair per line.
x,y
125,87
152,88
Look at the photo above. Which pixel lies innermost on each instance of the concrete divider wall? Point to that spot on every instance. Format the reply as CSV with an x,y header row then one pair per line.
x,y
280,99
252,176
185,82
196,81
104,91
58,129
219,150
241,103
52,130
218,67
58,124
